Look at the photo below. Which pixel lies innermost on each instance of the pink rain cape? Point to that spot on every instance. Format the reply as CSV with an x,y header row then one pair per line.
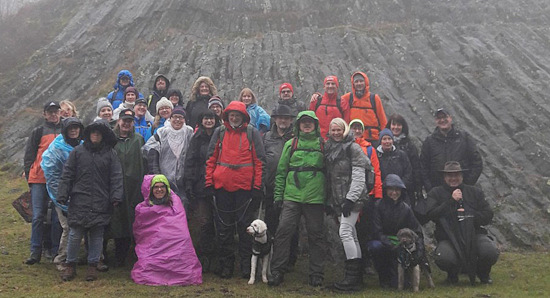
x,y
163,245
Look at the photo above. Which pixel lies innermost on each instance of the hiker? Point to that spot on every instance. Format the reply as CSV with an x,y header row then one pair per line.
x,y
124,80
391,214
52,163
160,90
141,124
203,89
215,104
68,109
299,190
459,211
393,160
91,185
41,137
274,141
194,176
345,168
447,143
162,117
168,147
286,97
329,106
130,97
259,118
176,98
104,110
128,150
357,129
365,106
234,171
165,253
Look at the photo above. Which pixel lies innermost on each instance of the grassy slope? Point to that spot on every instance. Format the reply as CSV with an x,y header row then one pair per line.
x,y
515,275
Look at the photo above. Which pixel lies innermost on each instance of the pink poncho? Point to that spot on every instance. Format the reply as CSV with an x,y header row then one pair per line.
x,y
163,245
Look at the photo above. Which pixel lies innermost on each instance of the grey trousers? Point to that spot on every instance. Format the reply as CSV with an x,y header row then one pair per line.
x,y
288,224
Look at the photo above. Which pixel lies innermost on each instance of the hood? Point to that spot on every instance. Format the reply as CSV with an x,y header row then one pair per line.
x,y
68,122
122,73
109,137
159,178
176,92
155,81
195,89
367,87
395,181
304,114
236,106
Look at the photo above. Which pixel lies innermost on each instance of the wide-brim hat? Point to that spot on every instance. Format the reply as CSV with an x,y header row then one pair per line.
x,y
453,167
282,110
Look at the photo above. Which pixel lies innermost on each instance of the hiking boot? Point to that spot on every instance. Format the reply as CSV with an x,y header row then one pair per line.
x,y
275,279
486,280
452,278
353,276
61,266
91,274
33,259
69,273
102,267
315,281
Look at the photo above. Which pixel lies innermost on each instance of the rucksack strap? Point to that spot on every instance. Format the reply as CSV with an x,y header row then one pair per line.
x,y
338,105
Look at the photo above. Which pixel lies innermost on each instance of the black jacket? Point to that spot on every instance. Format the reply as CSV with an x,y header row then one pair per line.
x,y
92,180
156,95
195,108
406,145
395,162
273,145
438,149
195,162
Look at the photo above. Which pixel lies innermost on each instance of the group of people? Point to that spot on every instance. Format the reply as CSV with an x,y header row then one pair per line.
x,y
177,182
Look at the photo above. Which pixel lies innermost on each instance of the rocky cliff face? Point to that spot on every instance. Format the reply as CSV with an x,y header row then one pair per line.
x,y
488,62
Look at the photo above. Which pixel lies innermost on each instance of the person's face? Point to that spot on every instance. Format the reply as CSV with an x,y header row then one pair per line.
x,y
204,89
387,143
174,99
125,81
208,123
66,111
393,192
159,190
160,84
396,128
126,125
246,98
307,125
336,133
283,122
330,87
96,137
444,122
165,112
235,118
140,109
359,83
217,109
52,115
177,121
73,131
106,113
453,179
357,130
130,97
286,94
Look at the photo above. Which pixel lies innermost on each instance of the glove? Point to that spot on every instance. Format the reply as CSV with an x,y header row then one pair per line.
x,y
209,191
347,206
257,194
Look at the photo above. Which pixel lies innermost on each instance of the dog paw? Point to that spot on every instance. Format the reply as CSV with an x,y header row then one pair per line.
x,y
251,282
264,279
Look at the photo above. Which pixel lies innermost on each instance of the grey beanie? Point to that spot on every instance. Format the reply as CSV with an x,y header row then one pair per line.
x,y
101,103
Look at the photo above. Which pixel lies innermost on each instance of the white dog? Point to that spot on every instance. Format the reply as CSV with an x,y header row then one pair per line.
x,y
261,248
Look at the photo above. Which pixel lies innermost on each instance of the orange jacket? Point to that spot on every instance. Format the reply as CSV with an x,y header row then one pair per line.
x,y
361,108
38,142
377,190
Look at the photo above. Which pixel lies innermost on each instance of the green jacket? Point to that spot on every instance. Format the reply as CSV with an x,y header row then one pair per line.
x,y
300,177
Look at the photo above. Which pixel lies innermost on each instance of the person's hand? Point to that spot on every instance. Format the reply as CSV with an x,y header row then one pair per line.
x,y
314,97
116,203
347,206
257,194
457,194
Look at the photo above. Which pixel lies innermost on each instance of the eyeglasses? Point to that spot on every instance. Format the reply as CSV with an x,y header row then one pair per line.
x,y
165,108
178,117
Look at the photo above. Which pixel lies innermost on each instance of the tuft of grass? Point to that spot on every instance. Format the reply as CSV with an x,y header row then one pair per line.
x,y
515,274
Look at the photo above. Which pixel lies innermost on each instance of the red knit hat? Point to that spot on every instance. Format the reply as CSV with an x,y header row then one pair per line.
x,y
333,79
285,85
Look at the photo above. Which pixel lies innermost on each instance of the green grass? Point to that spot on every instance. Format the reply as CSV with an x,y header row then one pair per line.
x,y
515,274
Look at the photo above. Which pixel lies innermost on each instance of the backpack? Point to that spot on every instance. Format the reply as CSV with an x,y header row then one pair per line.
x,y
338,105
249,129
294,146
373,108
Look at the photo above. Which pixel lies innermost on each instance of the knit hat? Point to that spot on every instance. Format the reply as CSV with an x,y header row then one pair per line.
x,y
141,100
164,102
101,103
130,89
385,132
357,121
215,100
285,85
333,79
178,111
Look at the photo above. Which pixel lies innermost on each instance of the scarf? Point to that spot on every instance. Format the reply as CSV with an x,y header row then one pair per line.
x,y
175,139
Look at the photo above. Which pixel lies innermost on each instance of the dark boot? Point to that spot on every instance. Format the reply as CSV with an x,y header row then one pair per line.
x,y
33,259
275,279
91,274
69,273
353,276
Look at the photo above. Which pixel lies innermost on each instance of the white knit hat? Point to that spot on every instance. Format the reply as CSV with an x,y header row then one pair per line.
x,y
164,102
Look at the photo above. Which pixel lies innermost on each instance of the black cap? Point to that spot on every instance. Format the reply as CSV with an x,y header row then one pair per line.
x,y
126,114
441,111
51,104
141,100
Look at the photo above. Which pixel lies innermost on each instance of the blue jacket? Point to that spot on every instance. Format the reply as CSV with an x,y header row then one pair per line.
x,y
258,117
116,97
161,124
143,127
52,164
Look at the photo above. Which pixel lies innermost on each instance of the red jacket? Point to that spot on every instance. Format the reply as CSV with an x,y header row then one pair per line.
x,y
377,190
328,110
361,108
236,164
